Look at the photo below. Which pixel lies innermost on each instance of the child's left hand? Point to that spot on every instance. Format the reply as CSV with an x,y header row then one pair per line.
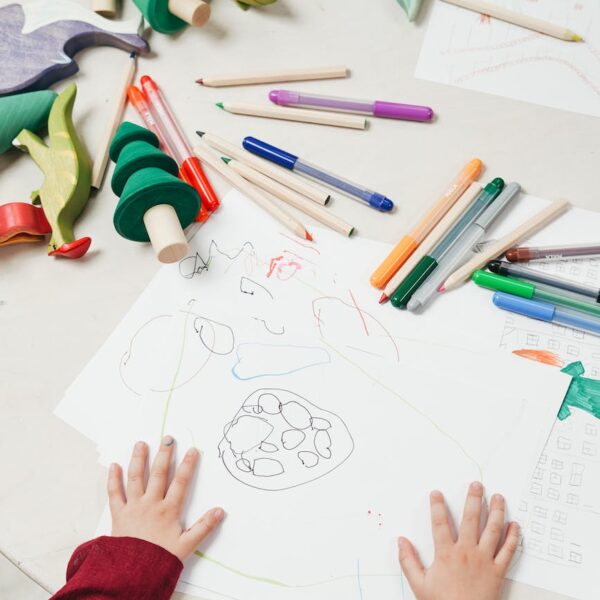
x,y
152,512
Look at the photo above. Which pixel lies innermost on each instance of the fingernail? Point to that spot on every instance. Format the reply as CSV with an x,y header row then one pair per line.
x,y
113,468
191,452
517,526
498,499
218,514
140,445
436,495
168,440
401,543
476,486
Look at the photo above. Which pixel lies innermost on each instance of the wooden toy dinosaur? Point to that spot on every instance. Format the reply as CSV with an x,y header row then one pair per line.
x,y
67,175
38,40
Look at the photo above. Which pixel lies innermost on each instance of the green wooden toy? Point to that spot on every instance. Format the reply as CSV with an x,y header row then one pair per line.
x,y
23,111
154,204
67,175
169,16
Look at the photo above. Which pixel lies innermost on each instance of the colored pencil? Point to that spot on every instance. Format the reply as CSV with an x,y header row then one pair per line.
x,y
499,247
275,76
408,244
564,252
289,179
441,229
493,9
319,213
317,117
210,157
105,8
116,114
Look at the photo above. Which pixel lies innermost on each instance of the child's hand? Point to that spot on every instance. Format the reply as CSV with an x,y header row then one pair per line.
x,y
152,512
470,568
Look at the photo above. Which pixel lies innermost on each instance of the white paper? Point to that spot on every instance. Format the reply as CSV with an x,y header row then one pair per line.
x,y
405,404
472,51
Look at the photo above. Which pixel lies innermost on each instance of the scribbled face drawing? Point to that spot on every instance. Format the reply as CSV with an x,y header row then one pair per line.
x,y
279,440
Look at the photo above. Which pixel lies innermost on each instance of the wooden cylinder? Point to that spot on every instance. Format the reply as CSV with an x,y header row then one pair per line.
x,y
194,12
106,8
165,233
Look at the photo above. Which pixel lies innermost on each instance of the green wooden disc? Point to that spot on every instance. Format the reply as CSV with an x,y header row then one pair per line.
x,y
130,132
139,155
158,15
147,188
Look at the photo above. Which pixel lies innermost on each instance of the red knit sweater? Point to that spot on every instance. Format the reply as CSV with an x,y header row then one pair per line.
x,y
120,568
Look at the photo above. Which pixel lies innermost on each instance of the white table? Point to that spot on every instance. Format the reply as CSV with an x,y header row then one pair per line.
x,y
54,314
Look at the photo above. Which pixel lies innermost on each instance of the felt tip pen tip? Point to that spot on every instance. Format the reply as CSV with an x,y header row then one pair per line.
x,y
308,236
220,105
200,133
383,299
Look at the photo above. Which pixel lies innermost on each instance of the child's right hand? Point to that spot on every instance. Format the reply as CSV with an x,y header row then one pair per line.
x,y
152,512
471,567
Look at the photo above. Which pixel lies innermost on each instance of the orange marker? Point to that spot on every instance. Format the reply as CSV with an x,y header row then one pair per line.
x,y
409,243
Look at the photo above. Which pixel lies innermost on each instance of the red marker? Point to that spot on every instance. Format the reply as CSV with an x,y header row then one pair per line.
x,y
190,165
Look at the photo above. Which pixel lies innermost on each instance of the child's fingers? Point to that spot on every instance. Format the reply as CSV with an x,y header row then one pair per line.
x,y
178,489
508,549
469,527
159,473
136,471
494,526
201,529
440,523
412,567
114,488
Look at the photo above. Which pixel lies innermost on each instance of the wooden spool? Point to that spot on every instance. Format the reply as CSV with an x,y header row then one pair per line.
x,y
154,204
170,16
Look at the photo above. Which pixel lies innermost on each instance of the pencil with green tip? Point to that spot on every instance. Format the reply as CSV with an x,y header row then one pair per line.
x,y
319,117
429,262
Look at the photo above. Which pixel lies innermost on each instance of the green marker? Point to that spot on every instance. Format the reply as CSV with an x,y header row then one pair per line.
x,y
429,263
524,289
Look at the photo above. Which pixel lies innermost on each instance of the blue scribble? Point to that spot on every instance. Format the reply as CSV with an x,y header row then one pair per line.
x,y
283,360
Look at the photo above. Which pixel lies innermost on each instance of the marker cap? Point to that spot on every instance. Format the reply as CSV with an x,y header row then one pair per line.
x,y
272,153
523,306
503,284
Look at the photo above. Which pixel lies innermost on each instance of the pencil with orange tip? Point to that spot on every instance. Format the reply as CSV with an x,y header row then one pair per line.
x,y
205,153
409,243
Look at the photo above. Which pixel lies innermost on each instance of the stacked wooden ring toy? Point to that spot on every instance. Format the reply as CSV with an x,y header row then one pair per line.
x,y
154,204
169,16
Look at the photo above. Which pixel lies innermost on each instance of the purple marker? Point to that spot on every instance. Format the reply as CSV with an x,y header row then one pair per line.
x,y
389,110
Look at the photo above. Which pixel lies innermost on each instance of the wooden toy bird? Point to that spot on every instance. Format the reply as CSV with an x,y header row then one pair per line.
x,y
67,175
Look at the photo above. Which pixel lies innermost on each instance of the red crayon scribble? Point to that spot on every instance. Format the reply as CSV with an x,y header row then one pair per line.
x,y
362,317
283,268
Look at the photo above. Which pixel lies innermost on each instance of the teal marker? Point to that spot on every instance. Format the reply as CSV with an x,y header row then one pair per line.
x,y
429,263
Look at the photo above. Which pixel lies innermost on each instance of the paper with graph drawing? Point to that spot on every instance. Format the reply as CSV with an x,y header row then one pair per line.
x,y
473,51
323,418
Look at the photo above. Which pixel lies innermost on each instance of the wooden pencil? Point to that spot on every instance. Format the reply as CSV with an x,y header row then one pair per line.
x,y
275,76
116,114
432,239
516,18
206,154
284,176
499,247
319,213
318,117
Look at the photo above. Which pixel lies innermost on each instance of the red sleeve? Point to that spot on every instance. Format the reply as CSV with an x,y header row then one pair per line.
x,y
120,568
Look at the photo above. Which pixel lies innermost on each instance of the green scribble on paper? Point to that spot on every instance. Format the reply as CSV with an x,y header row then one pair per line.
x,y
583,393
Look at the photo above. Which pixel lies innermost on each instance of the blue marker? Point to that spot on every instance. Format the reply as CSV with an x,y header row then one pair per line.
x,y
543,311
293,163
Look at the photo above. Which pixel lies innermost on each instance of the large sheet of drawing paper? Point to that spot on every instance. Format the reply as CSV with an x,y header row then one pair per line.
x,y
323,419
473,51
